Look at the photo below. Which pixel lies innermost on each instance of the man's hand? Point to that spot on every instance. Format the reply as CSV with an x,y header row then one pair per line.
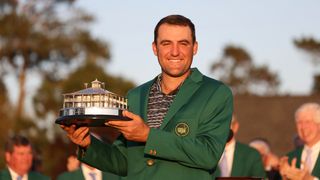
x,y
79,136
289,171
284,167
134,130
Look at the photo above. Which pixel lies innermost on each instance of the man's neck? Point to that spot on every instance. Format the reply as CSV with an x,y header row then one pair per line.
x,y
169,83
311,144
16,172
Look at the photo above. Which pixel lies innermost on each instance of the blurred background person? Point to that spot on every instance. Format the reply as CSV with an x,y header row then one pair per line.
x,y
19,158
77,170
85,172
238,159
297,141
72,163
304,162
269,159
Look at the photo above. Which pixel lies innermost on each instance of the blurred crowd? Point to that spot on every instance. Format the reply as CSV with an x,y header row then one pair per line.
x,y
255,159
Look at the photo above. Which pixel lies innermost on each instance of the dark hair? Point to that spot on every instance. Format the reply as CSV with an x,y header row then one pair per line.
x,y
175,20
16,140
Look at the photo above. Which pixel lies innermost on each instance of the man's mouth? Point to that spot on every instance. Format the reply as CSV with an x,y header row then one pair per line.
x,y
175,60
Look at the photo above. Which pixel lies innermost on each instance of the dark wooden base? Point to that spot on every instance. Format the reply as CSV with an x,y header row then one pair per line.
x,y
88,120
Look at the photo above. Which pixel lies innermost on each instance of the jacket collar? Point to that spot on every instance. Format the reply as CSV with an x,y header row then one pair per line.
x,y
187,89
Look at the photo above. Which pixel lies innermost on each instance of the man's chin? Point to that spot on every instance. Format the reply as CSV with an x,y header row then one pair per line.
x,y
176,74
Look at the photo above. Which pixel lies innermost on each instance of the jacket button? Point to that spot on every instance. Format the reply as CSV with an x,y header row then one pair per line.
x,y
150,162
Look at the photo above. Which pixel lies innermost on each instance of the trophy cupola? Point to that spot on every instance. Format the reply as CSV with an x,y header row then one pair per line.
x,y
96,84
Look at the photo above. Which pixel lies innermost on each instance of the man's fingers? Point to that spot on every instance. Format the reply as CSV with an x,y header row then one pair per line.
x,y
80,132
118,123
129,115
293,162
68,129
86,135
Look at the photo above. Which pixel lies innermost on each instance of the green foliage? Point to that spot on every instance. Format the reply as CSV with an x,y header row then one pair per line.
x,y
34,38
236,68
311,46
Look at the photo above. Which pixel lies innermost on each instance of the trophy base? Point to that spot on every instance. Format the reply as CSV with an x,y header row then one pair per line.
x,y
89,120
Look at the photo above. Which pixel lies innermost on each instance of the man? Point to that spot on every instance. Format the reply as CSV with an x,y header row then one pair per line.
x,y
18,156
180,119
72,163
269,159
86,172
238,159
304,162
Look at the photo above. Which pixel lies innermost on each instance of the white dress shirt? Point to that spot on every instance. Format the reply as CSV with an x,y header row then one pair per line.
x,y
314,155
86,171
229,152
14,175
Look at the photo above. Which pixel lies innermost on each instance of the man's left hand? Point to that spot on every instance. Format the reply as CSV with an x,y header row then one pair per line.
x,y
134,130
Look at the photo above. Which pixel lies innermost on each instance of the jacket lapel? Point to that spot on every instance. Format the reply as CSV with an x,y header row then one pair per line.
x,y
236,168
316,169
299,154
5,174
144,99
188,88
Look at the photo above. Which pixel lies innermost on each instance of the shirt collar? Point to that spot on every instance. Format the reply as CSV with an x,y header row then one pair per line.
x,y
314,148
194,75
14,175
231,145
86,170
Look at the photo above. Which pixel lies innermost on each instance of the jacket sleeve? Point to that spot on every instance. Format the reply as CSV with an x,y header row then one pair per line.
x,y
106,157
204,150
257,166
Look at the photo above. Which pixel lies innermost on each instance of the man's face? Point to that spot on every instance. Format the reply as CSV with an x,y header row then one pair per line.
x,y
174,49
308,130
20,160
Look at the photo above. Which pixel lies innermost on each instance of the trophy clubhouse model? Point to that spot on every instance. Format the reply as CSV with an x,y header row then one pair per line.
x,y
92,106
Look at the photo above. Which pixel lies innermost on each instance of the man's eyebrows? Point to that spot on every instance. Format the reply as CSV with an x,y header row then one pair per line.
x,y
180,41
184,41
165,41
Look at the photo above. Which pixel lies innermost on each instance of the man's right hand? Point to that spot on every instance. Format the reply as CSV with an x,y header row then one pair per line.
x,y
79,136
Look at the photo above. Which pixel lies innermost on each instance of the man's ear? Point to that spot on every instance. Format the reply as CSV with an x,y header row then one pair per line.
x,y
154,48
195,48
7,156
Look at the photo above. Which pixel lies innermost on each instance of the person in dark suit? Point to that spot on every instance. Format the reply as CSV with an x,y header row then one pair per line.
x,y
238,159
180,119
86,172
19,156
304,161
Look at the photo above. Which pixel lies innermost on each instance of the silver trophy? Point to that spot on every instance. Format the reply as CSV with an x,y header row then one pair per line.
x,y
92,106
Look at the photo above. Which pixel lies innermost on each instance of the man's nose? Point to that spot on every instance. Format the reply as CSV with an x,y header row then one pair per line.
x,y
175,50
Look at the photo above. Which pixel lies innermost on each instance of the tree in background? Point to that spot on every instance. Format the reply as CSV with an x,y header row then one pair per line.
x,y
34,38
237,69
311,47
39,36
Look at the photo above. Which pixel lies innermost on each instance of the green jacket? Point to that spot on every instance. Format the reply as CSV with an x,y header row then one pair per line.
x,y
247,162
297,154
189,143
5,175
78,175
